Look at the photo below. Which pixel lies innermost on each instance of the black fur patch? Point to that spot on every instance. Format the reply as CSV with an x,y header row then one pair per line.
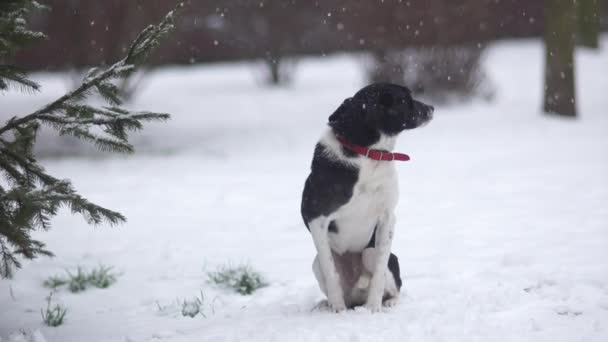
x,y
333,228
328,187
393,266
380,108
372,241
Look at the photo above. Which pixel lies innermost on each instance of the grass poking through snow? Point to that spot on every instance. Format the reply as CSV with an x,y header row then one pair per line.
x,y
193,307
242,278
53,316
101,277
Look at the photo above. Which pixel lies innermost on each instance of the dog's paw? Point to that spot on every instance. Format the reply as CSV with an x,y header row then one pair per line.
x,y
336,300
373,306
337,307
389,303
325,306
322,305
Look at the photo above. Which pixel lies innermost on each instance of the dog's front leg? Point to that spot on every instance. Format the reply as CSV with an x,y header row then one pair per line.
x,y
335,296
384,239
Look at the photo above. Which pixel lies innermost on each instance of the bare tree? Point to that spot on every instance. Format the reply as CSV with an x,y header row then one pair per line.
x,y
560,36
387,66
589,23
439,73
270,30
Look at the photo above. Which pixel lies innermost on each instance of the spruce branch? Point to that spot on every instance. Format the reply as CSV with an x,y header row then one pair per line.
x,y
145,42
14,35
13,76
33,196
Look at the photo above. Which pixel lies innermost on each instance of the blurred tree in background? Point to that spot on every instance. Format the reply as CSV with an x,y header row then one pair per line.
x,y
29,196
263,30
441,74
296,27
103,45
589,23
560,37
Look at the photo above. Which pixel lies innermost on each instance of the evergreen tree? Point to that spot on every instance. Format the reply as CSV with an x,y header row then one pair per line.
x,y
14,35
29,196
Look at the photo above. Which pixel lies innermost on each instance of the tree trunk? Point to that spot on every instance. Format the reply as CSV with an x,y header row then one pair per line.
x,y
274,77
560,36
275,74
589,23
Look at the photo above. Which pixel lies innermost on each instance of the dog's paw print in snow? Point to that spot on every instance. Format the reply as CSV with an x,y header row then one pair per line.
x,y
35,336
566,311
515,260
540,285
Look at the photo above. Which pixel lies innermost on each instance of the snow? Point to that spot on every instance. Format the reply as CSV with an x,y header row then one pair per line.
x,y
502,230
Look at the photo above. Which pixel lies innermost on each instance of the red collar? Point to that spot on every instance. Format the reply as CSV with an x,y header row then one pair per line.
x,y
372,154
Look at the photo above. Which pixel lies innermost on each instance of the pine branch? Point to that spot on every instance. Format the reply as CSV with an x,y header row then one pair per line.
x,y
14,35
10,75
33,196
8,261
145,42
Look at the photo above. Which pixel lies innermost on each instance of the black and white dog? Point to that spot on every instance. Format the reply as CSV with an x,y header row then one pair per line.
x,y
351,193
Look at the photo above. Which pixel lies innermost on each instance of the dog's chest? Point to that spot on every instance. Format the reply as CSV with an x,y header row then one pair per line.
x,y
374,194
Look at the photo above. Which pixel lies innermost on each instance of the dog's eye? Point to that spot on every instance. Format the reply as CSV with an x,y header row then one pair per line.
x,y
386,100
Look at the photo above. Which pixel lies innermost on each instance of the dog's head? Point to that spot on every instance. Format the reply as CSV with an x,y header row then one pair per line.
x,y
376,110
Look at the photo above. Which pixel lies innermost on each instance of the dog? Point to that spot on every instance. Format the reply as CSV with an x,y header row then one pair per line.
x,y
350,195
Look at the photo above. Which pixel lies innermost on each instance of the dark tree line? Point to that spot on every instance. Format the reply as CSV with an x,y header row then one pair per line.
x,y
258,29
445,39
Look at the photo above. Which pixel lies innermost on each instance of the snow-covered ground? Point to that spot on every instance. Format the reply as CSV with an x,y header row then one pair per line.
x,y
502,226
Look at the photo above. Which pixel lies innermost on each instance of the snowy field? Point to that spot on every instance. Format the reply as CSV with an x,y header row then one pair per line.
x,y
502,229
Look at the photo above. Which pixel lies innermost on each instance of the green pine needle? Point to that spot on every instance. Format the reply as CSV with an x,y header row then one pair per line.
x,y
13,77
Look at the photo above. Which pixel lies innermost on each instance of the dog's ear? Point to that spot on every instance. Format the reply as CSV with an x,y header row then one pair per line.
x,y
341,114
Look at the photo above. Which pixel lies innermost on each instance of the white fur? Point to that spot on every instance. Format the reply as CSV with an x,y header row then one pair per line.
x,y
325,264
374,195
372,204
